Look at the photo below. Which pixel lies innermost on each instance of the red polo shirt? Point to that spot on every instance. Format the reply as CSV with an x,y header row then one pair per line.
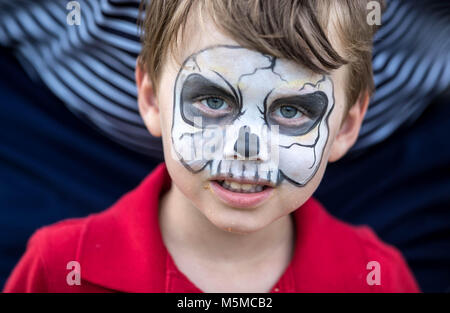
x,y
121,249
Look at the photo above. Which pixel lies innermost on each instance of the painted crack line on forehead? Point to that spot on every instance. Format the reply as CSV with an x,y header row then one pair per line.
x,y
238,93
271,66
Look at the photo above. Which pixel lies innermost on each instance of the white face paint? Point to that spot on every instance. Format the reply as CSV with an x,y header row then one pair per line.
x,y
244,114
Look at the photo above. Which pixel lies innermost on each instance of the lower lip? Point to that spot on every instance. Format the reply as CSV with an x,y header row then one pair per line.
x,y
240,199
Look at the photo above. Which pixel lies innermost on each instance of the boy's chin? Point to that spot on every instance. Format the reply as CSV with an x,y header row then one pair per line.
x,y
238,229
239,221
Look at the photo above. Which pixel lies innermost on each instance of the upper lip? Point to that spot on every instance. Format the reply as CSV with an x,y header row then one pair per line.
x,y
240,180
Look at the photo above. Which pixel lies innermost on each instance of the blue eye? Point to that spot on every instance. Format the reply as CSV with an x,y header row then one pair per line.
x,y
288,111
214,103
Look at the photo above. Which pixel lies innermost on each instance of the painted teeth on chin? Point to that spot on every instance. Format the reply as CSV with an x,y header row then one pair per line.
x,y
244,188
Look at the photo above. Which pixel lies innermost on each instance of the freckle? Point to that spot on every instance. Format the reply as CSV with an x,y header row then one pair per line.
x,y
229,229
206,187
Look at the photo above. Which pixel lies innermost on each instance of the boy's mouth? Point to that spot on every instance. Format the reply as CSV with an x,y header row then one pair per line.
x,y
241,193
240,187
243,185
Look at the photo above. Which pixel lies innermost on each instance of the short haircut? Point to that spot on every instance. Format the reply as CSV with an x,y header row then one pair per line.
x,y
296,30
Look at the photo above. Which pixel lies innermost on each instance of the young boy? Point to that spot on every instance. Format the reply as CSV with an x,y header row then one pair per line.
x,y
252,98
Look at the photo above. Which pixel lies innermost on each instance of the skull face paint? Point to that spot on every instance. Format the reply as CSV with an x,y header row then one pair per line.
x,y
258,117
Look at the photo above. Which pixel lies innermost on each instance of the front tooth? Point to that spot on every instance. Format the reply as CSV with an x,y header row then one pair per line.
x,y
235,185
247,187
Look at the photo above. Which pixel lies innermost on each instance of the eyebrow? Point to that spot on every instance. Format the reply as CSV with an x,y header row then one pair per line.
x,y
197,85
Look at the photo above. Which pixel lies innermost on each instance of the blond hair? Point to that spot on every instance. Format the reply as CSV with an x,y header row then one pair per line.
x,y
292,29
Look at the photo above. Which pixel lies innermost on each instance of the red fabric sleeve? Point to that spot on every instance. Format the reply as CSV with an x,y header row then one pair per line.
x,y
396,276
29,275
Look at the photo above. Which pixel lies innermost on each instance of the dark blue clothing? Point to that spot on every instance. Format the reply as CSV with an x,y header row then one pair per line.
x,y
52,164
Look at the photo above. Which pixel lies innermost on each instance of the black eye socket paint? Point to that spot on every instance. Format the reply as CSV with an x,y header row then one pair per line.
x,y
313,105
196,88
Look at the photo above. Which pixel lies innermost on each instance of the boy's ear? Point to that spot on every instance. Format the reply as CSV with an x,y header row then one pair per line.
x,y
350,127
148,106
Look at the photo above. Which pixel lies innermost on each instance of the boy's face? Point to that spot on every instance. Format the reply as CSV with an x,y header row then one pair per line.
x,y
246,136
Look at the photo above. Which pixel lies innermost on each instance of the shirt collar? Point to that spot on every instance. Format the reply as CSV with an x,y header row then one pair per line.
x,y
122,248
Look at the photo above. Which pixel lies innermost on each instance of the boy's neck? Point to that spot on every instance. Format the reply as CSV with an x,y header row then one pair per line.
x,y
185,229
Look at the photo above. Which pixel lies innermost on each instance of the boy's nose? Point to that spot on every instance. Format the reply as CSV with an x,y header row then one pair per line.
x,y
247,144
